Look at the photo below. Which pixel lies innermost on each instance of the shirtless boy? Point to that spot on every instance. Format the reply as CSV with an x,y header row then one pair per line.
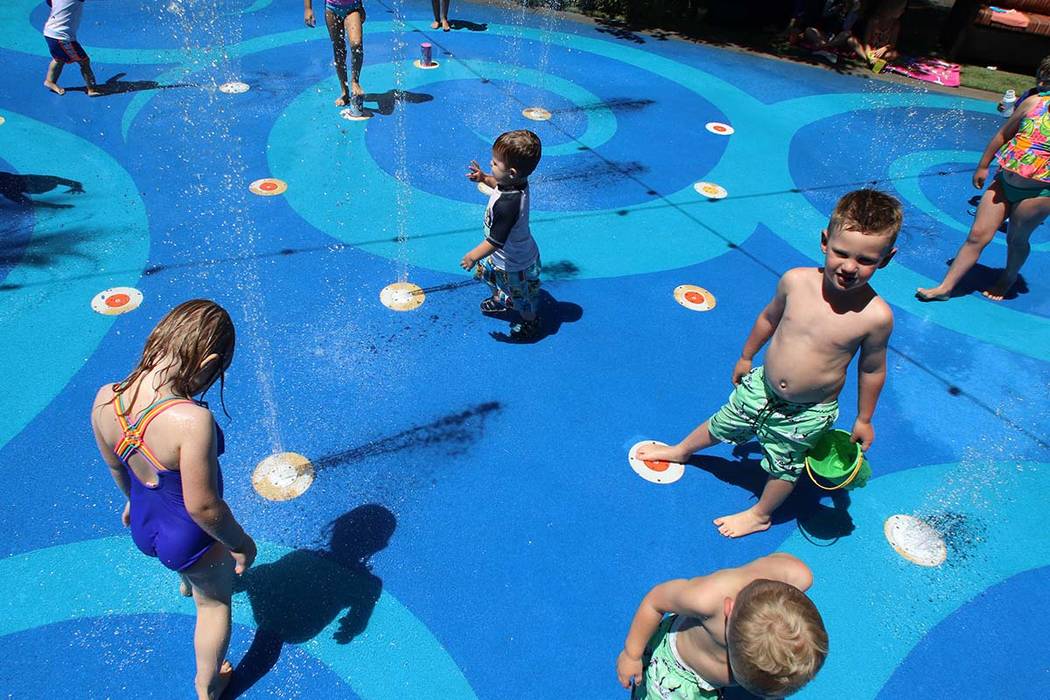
x,y
818,319
751,626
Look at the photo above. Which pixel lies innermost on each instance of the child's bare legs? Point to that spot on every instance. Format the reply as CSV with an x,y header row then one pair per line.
x,y
695,441
51,80
212,581
440,14
1024,218
990,215
89,78
353,23
335,31
757,517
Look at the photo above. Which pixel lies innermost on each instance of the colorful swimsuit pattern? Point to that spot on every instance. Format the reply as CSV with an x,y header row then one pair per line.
x,y
1028,152
785,430
517,290
160,524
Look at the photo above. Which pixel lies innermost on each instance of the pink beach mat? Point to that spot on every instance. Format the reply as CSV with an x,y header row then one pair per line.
x,y
929,70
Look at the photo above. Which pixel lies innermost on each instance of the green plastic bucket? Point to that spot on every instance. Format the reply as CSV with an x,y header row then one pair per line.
x,y
836,462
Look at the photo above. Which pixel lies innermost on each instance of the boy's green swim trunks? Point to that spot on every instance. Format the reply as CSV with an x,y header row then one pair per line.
x,y
666,677
785,430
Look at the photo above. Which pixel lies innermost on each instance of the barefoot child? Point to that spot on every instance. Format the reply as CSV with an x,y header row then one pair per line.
x,y
1020,191
751,626
344,19
171,475
440,15
818,319
508,260
60,32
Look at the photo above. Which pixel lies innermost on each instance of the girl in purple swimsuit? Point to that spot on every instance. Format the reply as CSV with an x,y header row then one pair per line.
x,y
169,471
344,19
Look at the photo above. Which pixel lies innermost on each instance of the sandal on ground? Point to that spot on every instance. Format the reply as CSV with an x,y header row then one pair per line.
x,y
492,306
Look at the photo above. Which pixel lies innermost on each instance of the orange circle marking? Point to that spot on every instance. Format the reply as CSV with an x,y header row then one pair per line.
x,y
115,300
694,297
656,465
268,186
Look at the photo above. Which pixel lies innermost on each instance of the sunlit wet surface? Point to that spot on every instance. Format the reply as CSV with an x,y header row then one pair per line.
x,y
472,526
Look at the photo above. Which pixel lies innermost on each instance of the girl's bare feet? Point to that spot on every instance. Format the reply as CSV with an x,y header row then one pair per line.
x,y
225,676
343,100
356,89
434,24
999,290
54,88
932,294
445,25
93,91
742,523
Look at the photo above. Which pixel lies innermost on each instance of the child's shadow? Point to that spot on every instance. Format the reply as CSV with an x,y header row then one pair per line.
x,y
296,597
17,187
116,86
386,101
981,277
471,26
814,519
552,313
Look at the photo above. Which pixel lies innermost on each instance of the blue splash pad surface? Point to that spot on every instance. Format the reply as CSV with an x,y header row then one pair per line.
x,y
521,535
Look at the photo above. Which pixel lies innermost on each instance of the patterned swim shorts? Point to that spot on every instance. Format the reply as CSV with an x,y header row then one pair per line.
x,y
785,430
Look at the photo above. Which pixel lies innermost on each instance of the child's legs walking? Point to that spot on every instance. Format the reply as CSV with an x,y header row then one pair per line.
x,y
991,212
89,76
353,23
440,8
212,579
1026,216
54,70
335,32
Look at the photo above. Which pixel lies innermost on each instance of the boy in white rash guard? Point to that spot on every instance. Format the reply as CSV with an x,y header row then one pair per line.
x,y
508,260
60,33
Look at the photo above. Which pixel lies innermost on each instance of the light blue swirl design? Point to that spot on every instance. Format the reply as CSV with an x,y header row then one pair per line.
x,y
884,604
395,657
763,136
904,171
73,254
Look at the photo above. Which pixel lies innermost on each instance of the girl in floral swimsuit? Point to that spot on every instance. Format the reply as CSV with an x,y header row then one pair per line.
x,y
1020,190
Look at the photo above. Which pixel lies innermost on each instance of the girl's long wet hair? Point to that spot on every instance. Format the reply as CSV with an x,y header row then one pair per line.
x,y
188,334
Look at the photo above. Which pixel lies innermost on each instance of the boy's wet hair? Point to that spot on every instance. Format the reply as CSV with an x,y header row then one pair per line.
x,y
520,150
186,335
868,211
777,641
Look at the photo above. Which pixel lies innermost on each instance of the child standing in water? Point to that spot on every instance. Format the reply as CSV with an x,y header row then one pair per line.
x,y
171,476
1020,190
344,19
508,260
60,32
817,321
440,15
750,626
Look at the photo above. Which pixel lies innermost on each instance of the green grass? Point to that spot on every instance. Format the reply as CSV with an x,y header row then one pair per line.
x,y
997,81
